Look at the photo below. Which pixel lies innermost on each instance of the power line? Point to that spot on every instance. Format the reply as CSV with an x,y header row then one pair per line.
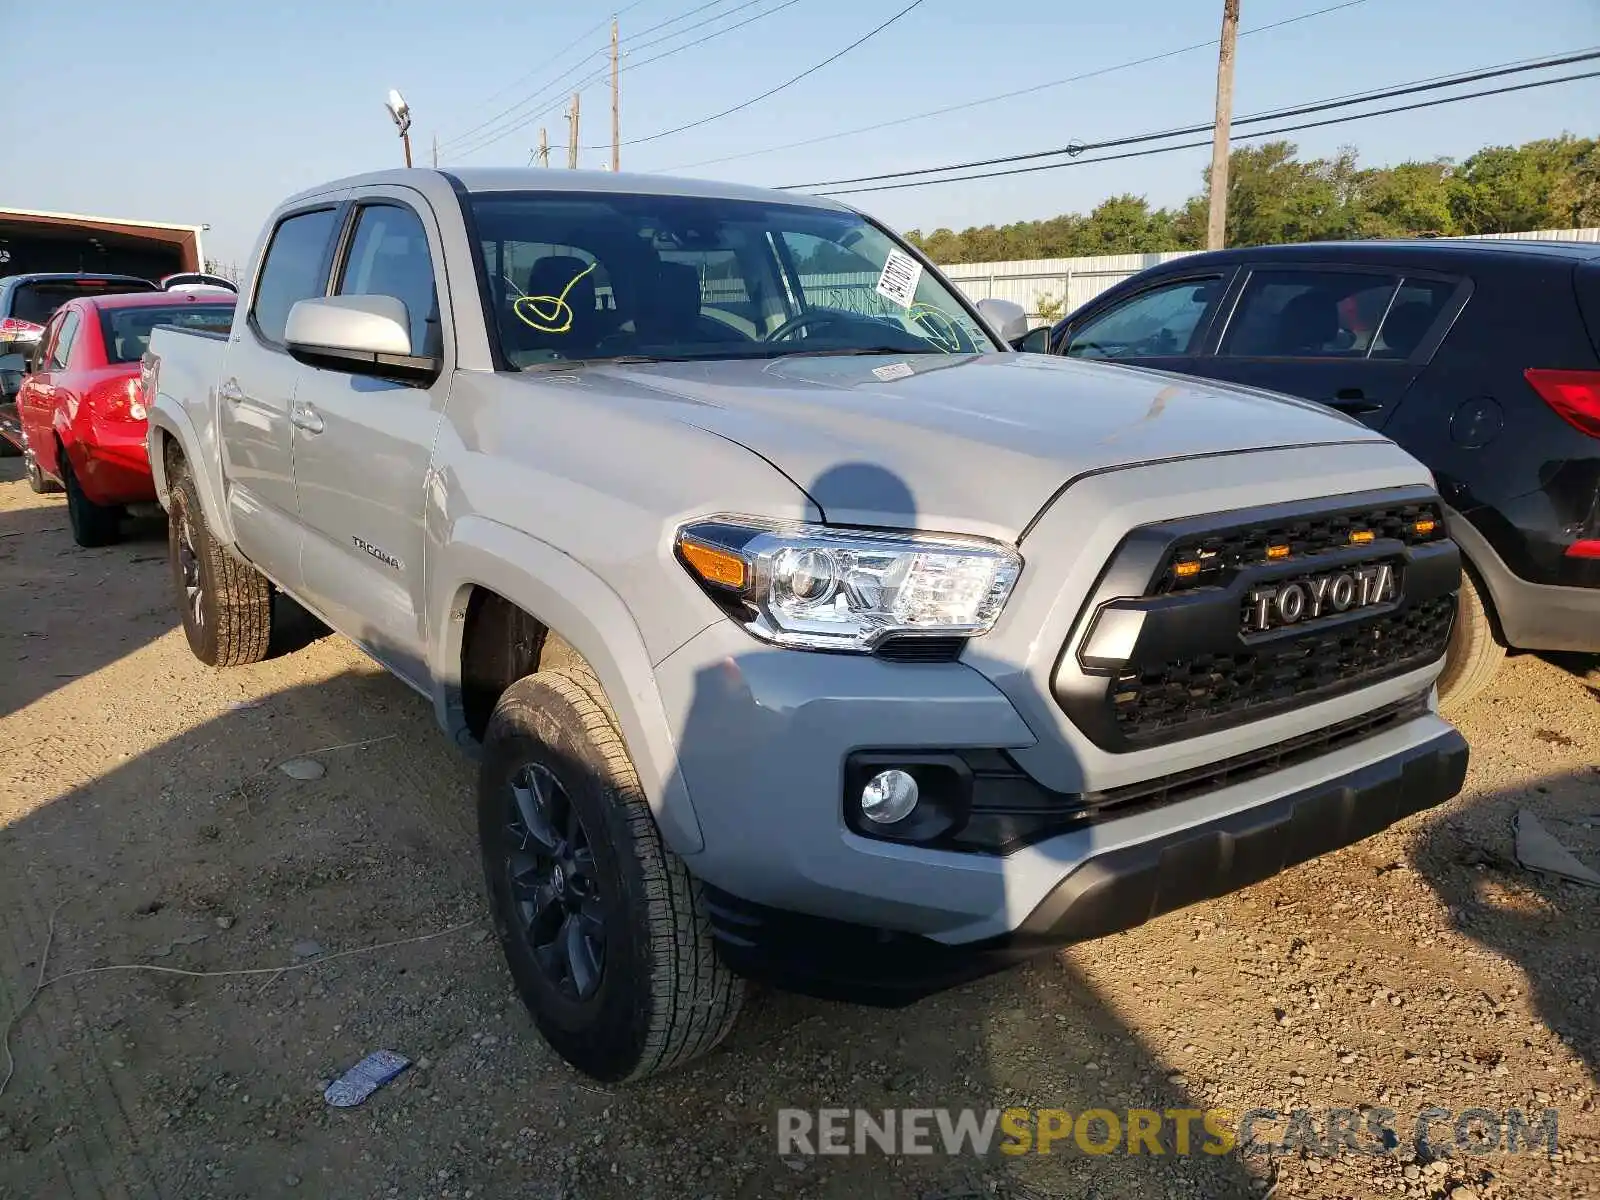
x,y
787,83
1072,150
551,61
1027,91
1260,133
553,101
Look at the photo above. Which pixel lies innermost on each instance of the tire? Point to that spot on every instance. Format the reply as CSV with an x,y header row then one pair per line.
x,y
226,603
92,524
580,849
1474,654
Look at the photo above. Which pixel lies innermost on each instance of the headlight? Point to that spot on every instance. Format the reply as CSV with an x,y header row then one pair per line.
x,y
820,588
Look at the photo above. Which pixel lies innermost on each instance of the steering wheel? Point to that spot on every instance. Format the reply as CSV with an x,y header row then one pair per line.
x,y
800,321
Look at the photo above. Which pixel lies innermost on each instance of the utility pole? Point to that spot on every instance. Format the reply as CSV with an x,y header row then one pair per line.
x,y
572,134
1217,225
616,104
544,148
436,151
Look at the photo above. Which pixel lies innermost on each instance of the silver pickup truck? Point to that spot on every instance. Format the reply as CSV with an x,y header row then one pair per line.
x,y
806,633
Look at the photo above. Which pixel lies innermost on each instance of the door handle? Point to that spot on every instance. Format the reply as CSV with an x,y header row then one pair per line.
x,y
1353,401
231,391
307,418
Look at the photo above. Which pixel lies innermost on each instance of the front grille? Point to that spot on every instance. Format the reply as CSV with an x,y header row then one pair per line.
x,y
1162,701
1213,558
1185,785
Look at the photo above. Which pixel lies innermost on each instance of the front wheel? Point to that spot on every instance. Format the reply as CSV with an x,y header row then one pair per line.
x,y
227,603
601,924
38,482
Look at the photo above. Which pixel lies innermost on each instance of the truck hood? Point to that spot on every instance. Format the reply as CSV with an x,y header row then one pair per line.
x,y
973,444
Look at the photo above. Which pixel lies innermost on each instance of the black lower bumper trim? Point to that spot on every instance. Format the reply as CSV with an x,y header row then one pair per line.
x,y
1117,890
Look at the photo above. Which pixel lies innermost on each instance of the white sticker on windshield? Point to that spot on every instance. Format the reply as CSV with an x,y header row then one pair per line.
x,y
893,371
898,282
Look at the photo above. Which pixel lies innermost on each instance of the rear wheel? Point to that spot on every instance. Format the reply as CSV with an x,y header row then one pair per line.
x,y
1474,654
227,603
92,524
601,924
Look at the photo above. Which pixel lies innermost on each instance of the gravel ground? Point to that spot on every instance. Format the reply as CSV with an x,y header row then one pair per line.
x,y
141,810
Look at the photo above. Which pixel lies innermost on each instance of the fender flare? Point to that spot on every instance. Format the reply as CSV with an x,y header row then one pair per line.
x,y
577,604
168,419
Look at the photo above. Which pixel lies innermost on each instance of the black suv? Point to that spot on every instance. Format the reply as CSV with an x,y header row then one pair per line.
x,y
1481,358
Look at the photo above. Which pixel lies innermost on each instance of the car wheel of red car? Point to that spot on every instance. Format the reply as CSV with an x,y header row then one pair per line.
x,y
92,524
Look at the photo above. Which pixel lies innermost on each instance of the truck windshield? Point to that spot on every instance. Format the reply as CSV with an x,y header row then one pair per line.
x,y
603,276
127,330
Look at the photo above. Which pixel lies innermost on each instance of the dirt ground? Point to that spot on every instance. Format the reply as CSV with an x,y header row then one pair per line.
x,y
142,811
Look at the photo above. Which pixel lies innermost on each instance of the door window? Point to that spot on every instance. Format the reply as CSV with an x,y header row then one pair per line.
x,y
62,349
1161,321
389,257
293,270
1416,307
1308,314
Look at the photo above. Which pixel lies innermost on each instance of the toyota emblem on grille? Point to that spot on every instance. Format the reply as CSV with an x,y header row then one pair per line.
x,y
1316,596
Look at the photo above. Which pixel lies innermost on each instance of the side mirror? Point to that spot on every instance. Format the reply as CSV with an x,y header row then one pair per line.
x,y
1010,319
360,335
1035,341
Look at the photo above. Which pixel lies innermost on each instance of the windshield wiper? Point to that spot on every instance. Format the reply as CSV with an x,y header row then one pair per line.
x,y
847,351
558,364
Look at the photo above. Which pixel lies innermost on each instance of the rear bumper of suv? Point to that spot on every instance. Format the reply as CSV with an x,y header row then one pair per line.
x,y
1103,894
1531,616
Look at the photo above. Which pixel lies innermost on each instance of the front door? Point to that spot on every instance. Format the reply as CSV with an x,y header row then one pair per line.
x,y
257,390
363,447
1158,326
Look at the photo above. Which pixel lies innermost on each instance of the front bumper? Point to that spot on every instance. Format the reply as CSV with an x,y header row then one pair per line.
x,y
1105,893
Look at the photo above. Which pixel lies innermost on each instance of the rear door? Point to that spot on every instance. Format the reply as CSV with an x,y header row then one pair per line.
x,y
1157,326
362,446
257,389
1352,338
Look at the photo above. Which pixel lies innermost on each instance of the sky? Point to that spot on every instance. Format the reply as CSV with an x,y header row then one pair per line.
x,y
212,113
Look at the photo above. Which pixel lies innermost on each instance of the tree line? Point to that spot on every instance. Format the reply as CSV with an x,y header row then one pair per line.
x,y
1275,196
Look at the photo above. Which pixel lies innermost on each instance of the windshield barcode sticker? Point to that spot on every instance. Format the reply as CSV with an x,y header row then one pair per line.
x,y
898,282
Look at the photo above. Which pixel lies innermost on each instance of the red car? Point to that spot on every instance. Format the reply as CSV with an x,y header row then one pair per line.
x,y
81,409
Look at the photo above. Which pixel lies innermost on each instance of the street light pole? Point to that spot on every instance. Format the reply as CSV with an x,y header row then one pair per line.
x,y
400,113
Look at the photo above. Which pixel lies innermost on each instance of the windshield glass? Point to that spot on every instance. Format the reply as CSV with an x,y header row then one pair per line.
x,y
597,276
127,330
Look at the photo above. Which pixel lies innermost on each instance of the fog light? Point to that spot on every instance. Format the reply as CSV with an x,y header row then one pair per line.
x,y
888,797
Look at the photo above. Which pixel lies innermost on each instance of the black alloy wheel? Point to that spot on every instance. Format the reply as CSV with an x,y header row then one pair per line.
x,y
551,879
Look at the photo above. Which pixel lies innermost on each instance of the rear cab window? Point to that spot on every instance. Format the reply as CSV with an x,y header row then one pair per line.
x,y
295,268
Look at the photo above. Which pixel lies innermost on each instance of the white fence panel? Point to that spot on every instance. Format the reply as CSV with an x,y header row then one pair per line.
x,y
1076,281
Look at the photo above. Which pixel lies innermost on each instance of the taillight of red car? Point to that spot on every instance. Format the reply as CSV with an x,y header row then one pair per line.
x,y
120,399
1574,395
